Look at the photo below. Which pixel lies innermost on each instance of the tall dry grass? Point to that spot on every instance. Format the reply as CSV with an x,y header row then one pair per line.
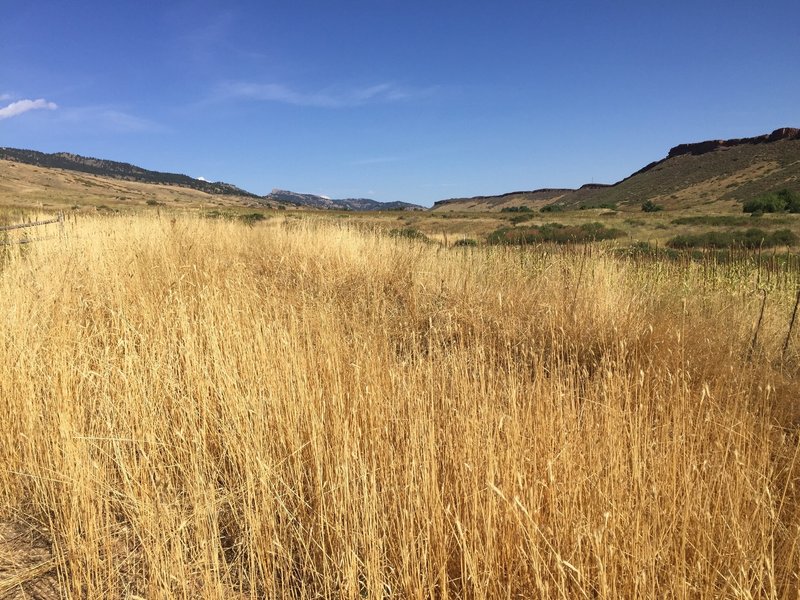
x,y
202,409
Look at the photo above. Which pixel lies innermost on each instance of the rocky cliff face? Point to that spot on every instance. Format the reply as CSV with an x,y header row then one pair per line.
x,y
785,133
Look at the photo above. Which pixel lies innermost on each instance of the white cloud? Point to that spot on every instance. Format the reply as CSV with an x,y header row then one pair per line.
x,y
201,179
22,106
326,98
109,119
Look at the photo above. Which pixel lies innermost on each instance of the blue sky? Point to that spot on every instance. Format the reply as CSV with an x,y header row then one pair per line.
x,y
413,101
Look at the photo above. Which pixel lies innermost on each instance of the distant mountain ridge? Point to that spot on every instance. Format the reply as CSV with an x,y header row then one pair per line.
x,y
322,202
721,172
129,172
697,148
118,170
714,171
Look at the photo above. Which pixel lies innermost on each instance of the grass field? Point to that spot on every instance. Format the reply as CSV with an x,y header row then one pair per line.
x,y
197,408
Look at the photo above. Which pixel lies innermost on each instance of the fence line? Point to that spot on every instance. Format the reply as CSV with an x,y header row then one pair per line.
x,y
59,219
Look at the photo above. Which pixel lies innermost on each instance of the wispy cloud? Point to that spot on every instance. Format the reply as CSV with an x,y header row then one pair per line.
x,y
22,106
326,98
109,119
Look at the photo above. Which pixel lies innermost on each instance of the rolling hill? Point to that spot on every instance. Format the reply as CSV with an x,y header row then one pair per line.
x,y
325,203
118,170
716,175
721,173
28,175
26,185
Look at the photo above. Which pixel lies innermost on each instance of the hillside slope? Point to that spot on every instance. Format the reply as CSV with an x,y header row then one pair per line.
x,y
118,170
718,173
112,181
25,185
533,199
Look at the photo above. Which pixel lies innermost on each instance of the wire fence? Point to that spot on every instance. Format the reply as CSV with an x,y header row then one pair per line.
x,y
5,228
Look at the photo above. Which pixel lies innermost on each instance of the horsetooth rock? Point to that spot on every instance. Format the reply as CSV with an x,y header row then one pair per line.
x,y
785,133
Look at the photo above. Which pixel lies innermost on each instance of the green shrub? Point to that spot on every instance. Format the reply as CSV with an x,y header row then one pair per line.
x,y
409,233
552,208
467,242
713,220
252,218
152,202
650,206
555,233
589,205
750,238
774,202
510,209
521,218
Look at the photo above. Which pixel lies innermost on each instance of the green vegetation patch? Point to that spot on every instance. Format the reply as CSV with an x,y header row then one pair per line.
x,y
252,218
717,221
750,238
590,205
555,233
409,233
774,202
650,206
517,209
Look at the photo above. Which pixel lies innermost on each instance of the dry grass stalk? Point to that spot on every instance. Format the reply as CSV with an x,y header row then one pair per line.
x,y
202,409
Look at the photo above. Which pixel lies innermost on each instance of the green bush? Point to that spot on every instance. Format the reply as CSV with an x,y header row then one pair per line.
x,y
467,242
714,220
552,208
555,233
774,202
750,238
252,218
589,205
650,206
509,209
409,233
521,218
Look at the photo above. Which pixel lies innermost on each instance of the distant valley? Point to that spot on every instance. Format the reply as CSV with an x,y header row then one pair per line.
x,y
715,175
121,171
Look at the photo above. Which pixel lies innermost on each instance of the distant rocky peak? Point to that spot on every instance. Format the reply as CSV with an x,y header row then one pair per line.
x,y
697,148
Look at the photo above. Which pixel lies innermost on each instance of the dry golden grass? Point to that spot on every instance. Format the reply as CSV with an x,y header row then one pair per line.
x,y
23,185
295,410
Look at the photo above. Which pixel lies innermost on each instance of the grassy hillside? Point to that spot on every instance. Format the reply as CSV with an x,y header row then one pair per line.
x,y
718,180
118,170
197,408
721,178
35,187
